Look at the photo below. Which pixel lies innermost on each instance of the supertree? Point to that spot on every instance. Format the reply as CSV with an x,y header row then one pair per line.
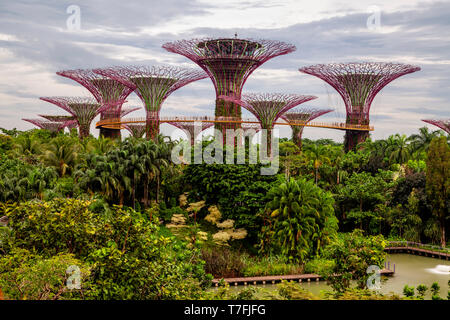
x,y
83,109
137,130
298,118
228,63
444,124
358,83
51,126
108,92
268,107
190,128
70,121
153,85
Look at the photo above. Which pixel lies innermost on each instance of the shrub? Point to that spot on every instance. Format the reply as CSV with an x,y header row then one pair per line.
x,y
408,291
353,254
29,276
127,255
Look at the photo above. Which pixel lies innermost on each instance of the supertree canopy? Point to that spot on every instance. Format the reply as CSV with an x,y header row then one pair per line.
x,y
107,92
51,126
298,118
358,83
153,85
190,128
444,124
229,62
268,107
70,121
137,130
83,109
57,118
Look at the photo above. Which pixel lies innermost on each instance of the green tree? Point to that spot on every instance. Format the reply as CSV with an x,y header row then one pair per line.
x,y
301,220
438,181
318,155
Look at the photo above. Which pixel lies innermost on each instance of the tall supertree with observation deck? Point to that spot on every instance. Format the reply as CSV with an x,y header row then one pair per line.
x,y
136,130
83,109
153,84
269,107
358,83
110,93
228,63
444,124
190,128
299,117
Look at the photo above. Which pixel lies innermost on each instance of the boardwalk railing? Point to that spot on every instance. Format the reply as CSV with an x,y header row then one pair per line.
x,y
418,245
418,249
331,125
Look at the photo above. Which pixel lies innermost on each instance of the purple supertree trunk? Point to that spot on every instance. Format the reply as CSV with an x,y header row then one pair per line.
x,y
111,94
298,118
228,63
153,85
358,83
83,109
444,124
269,107
190,127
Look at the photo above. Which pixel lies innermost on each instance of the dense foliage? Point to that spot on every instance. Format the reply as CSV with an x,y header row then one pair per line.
x,y
139,226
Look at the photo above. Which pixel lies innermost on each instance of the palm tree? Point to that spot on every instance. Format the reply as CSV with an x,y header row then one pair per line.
x,y
62,154
303,217
421,141
27,147
99,146
399,150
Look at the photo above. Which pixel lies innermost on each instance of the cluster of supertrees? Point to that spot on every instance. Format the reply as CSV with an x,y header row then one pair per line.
x,y
228,62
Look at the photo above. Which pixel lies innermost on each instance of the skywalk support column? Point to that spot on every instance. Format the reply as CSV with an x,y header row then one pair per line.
x,y
358,83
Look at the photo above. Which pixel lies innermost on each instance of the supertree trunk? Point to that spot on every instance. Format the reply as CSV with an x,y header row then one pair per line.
x,y
152,126
297,132
84,131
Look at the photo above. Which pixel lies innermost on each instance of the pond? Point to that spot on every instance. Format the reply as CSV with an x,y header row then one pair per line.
x,y
409,269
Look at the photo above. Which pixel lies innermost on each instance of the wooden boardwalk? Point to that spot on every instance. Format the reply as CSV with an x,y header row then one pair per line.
x,y
418,251
276,279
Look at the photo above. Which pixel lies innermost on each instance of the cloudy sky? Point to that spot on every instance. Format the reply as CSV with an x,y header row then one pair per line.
x,y
38,38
